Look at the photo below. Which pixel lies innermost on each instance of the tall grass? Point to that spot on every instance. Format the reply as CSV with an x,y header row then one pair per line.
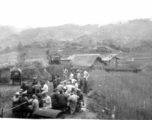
x,y
129,92
6,93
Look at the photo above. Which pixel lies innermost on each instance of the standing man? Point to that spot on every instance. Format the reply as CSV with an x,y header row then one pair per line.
x,y
65,74
62,101
71,76
54,98
44,88
72,102
15,101
54,80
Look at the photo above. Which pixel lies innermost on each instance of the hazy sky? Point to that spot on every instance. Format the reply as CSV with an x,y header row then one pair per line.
x,y
39,13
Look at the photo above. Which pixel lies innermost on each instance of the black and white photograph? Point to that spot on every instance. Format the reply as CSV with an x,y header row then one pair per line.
x,y
76,59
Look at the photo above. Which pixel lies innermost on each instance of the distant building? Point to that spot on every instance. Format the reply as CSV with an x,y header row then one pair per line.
x,y
111,60
91,61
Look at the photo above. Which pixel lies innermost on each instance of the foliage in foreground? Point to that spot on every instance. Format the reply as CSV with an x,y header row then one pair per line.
x,y
129,92
6,93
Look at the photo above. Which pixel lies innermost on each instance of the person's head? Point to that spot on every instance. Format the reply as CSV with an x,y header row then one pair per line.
x,y
68,83
64,83
44,94
17,94
34,78
34,96
21,90
64,88
72,93
42,83
23,84
61,83
61,92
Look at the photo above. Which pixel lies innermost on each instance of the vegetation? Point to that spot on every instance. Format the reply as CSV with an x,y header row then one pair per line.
x,y
129,92
21,55
6,93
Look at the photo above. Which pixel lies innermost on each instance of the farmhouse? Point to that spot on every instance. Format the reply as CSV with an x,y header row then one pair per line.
x,y
91,61
111,60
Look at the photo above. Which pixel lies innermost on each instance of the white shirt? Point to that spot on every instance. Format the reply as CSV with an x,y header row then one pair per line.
x,y
35,104
71,76
69,88
45,88
86,74
48,102
78,76
76,85
73,80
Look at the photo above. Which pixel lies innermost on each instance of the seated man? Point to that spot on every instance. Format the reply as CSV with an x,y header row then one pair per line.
x,y
36,88
40,99
44,88
34,106
15,101
23,87
47,101
24,110
29,90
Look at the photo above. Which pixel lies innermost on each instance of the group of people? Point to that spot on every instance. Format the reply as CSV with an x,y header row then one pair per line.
x,y
67,94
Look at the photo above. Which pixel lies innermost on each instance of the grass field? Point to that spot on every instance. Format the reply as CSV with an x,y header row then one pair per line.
x,y
6,93
129,92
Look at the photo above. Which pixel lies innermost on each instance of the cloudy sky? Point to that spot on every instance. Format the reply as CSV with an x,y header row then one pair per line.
x,y
41,13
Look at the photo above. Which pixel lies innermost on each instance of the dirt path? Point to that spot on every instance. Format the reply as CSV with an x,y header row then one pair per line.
x,y
83,114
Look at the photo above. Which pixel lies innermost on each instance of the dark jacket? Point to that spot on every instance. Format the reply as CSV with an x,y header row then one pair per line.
x,y
54,97
62,99
24,106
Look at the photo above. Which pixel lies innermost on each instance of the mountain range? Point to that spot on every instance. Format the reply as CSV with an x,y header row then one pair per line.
x,y
131,34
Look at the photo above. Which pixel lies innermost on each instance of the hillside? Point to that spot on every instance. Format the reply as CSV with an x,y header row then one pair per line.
x,y
133,35
130,34
59,33
6,31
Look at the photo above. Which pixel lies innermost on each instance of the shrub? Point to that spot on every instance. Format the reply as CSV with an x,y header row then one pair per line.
x,y
30,72
55,69
5,75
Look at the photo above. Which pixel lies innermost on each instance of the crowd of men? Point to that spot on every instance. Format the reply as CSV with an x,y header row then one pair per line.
x,y
66,94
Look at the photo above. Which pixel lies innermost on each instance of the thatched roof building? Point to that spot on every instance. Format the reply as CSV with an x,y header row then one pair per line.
x,y
92,61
